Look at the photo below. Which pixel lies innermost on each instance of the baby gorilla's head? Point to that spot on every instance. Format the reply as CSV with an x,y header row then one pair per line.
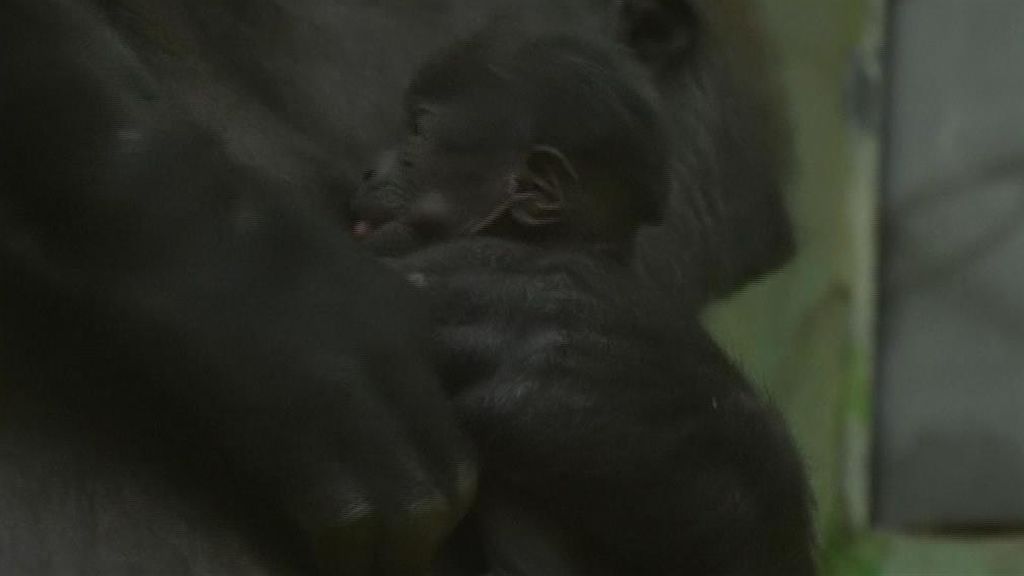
x,y
557,139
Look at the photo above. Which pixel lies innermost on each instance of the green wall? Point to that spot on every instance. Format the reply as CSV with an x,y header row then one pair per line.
x,y
806,333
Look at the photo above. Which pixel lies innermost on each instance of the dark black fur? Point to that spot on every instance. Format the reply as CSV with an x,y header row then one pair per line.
x,y
240,387
614,436
201,374
606,420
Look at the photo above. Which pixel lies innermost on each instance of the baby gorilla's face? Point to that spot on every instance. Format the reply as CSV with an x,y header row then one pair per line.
x,y
449,173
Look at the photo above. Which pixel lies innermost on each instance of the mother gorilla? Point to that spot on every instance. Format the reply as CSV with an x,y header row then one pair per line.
x,y
201,375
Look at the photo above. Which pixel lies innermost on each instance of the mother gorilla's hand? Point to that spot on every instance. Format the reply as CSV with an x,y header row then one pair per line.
x,y
209,308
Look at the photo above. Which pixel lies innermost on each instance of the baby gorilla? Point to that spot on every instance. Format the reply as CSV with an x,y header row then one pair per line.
x,y
614,437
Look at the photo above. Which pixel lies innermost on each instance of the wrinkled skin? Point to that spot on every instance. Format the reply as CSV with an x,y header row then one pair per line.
x,y
201,375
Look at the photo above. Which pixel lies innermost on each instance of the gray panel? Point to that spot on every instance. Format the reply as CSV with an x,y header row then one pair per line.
x,y
951,364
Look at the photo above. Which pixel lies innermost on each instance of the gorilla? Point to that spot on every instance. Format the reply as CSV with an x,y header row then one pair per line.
x,y
601,413
201,373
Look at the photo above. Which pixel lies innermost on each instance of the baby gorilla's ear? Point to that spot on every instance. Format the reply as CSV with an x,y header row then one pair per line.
x,y
542,182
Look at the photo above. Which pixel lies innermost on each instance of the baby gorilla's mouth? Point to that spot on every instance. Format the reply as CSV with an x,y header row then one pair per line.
x,y
379,213
374,207
361,229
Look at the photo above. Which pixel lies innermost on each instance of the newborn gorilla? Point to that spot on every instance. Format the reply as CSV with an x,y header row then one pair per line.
x,y
614,437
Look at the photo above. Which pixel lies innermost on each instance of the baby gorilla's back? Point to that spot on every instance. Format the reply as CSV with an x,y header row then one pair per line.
x,y
614,436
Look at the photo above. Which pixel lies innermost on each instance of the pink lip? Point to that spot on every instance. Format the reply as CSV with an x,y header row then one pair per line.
x,y
361,229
